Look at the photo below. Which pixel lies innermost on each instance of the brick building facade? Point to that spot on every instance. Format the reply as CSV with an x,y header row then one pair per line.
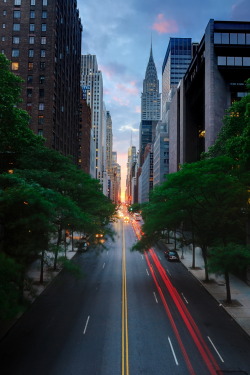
x,y
42,39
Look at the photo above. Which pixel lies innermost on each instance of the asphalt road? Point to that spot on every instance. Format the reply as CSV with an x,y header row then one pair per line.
x,y
129,314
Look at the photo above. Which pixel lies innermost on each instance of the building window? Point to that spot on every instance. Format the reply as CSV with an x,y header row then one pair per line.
x,y
16,26
32,2
3,38
41,79
42,65
16,14
17,2
4,25
31,53
32,27
44,27
41,106
14,65
32,14
31,40
41,93
30,66
29,93
44,14
43,53
29,79
45,3
222,60
4,13
29,107
40,120
246,61
15,52
43,40
15,40
40,132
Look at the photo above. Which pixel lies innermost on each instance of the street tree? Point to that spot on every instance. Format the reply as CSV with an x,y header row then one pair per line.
x,y
228,259
205,194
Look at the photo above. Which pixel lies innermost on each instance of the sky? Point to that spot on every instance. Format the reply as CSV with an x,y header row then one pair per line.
x,y
119,33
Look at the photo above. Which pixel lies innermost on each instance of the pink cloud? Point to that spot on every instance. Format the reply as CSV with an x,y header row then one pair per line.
x,y
109,72
163,26
123,102
131,89
137,109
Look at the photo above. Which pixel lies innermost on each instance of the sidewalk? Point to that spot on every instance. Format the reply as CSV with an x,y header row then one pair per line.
x,y
240,291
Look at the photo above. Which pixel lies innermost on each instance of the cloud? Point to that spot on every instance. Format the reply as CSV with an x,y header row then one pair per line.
x,y
128,127
130,88
122,101
113,69
163,26
241,10
137,109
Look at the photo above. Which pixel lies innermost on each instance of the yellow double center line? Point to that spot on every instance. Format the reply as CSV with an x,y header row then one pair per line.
x,y
125,361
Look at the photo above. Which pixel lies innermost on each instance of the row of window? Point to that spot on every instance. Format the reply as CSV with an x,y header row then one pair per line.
x,y
16,53
15,64
30,91
231,38
32,2
233,61
30,79
17,14
17,26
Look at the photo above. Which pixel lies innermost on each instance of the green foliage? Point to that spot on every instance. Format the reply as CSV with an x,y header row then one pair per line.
x,y
9,291
15,134
135,207
47,192
229,258
206,196
233,139
25,214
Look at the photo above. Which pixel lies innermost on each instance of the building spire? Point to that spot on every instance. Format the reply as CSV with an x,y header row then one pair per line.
x,y
151,73
151,47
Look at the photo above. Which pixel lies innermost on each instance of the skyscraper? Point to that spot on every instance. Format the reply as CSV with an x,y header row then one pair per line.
x,y
42,39
92,83
131,174
150,106
109,143
177,59
150,115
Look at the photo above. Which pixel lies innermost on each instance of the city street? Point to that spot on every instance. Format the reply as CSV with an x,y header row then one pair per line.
x,y
129,313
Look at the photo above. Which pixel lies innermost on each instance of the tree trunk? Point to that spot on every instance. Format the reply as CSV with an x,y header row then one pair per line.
x,y
72,240
204,253
168,239
229,300
42,267
175,239
65,244
193,250
59,238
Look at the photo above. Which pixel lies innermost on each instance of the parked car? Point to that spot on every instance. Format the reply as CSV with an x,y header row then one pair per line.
x,y
172,255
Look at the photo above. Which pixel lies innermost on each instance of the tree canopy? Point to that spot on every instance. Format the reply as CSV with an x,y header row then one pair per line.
x,y
45,195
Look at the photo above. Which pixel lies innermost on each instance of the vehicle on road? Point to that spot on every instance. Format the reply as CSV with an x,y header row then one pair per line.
x,y
137,216
126,219
172,255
